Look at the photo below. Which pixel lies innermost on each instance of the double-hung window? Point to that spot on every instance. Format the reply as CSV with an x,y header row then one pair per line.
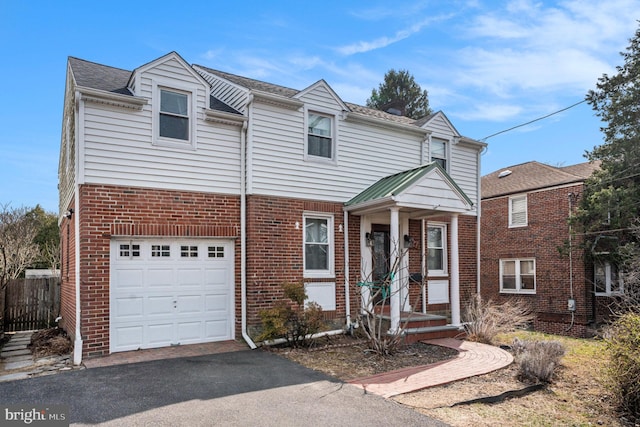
x,y
438,152
436,250
320,136
174,115
318,245
518,276
606,279
518,211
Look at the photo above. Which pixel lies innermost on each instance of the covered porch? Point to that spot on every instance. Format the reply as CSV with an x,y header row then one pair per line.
x,y
410,249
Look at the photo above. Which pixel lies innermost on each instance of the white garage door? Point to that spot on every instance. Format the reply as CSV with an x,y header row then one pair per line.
x,y
170,292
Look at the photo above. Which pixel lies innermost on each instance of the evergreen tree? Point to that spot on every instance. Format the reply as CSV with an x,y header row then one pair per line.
x,y
400,94
611,200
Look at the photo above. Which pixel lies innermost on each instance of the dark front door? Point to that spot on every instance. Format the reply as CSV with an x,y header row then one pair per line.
x,y
381,257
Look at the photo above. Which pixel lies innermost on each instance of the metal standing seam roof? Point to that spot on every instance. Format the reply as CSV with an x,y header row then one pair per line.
x,y
394,185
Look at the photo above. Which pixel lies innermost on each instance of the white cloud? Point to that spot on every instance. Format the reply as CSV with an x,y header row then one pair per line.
x,y
490,112
380,42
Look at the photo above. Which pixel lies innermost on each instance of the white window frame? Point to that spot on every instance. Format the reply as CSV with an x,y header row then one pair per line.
x,y
518,289
610,289
334,137
443,231
330,271
191,92
446,151
512,200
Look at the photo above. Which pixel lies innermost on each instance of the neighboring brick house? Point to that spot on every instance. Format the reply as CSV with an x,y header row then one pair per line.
x,y
189,195
525,224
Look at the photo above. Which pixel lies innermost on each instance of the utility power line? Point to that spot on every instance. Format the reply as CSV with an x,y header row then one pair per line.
x,y
533,121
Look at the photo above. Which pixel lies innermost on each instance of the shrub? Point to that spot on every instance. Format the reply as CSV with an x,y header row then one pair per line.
x,y
537,360
291,320
484,320
623,344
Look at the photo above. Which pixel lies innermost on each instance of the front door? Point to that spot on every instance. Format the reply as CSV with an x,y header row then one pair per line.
x,y
381,256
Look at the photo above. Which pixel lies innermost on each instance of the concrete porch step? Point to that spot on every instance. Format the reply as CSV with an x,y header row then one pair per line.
x,y
433,332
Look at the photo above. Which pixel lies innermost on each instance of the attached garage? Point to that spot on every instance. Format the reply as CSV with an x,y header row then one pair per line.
x,y
170,292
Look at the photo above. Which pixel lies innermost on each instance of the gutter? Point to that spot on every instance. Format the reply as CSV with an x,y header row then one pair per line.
x,y
243,229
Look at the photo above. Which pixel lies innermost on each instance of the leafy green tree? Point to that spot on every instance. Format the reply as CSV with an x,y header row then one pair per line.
x,y
611,199
47,238
401,95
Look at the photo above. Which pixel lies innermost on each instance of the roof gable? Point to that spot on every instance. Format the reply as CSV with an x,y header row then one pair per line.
x,y
318,86
426,187
171,56
438,120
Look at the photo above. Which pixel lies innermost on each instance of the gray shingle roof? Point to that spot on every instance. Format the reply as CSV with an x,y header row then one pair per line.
x,y
533,176
97,76
102,77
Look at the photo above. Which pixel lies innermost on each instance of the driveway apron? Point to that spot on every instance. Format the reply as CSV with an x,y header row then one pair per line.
x,y
239,388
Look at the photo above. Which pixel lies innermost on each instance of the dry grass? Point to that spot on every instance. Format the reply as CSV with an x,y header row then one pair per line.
x,y
576,396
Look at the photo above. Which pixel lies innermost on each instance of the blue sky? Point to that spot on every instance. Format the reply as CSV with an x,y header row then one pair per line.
x,y
488,65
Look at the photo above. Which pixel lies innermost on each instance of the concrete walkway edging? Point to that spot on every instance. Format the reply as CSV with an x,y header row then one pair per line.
x,y
473,359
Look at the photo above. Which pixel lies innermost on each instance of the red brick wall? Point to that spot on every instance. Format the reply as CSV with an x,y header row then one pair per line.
x,y
67,275
275,252
109,210
547,230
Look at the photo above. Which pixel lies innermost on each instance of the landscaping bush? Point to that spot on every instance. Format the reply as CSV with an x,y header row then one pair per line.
x,y
484,320
537,360
623,345
291,320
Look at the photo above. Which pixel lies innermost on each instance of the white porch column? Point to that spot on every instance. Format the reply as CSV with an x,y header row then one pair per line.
x,y
394,237
455,273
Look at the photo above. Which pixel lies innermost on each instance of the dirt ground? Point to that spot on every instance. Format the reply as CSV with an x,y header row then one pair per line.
x,y
576,397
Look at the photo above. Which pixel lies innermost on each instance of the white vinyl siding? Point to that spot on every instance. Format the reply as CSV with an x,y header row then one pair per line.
x,y
518,211
118,145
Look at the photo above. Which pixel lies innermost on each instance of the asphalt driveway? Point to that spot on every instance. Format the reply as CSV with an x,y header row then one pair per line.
x,y
245,388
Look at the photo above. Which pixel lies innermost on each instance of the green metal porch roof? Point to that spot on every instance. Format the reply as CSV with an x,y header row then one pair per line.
x,y
394,185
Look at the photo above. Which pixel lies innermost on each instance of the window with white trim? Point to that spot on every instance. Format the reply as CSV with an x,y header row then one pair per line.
x,y
320,136
188,251
437,249
318,245
129,250
518,276
160,251
606,279
173,116
438,152
518,211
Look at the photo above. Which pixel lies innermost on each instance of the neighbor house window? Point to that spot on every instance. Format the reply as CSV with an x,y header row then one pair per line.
x,y
518,276
436,250
518,211
607,280
318,245
320,136
438,152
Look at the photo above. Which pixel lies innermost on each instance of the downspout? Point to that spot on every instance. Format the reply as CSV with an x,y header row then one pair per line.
x,y
243,227
478,215
347,299
77,343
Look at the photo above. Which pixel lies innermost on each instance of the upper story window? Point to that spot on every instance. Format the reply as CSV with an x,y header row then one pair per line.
x,y
174,121
436,250
518,276
438,152
174,115
607,280
518,211
318,245
320,136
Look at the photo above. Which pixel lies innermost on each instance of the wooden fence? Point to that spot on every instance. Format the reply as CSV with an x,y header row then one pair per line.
x,y
30,304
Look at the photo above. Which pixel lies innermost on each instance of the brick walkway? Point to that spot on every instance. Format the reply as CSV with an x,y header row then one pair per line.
x,y
165,353
473,359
